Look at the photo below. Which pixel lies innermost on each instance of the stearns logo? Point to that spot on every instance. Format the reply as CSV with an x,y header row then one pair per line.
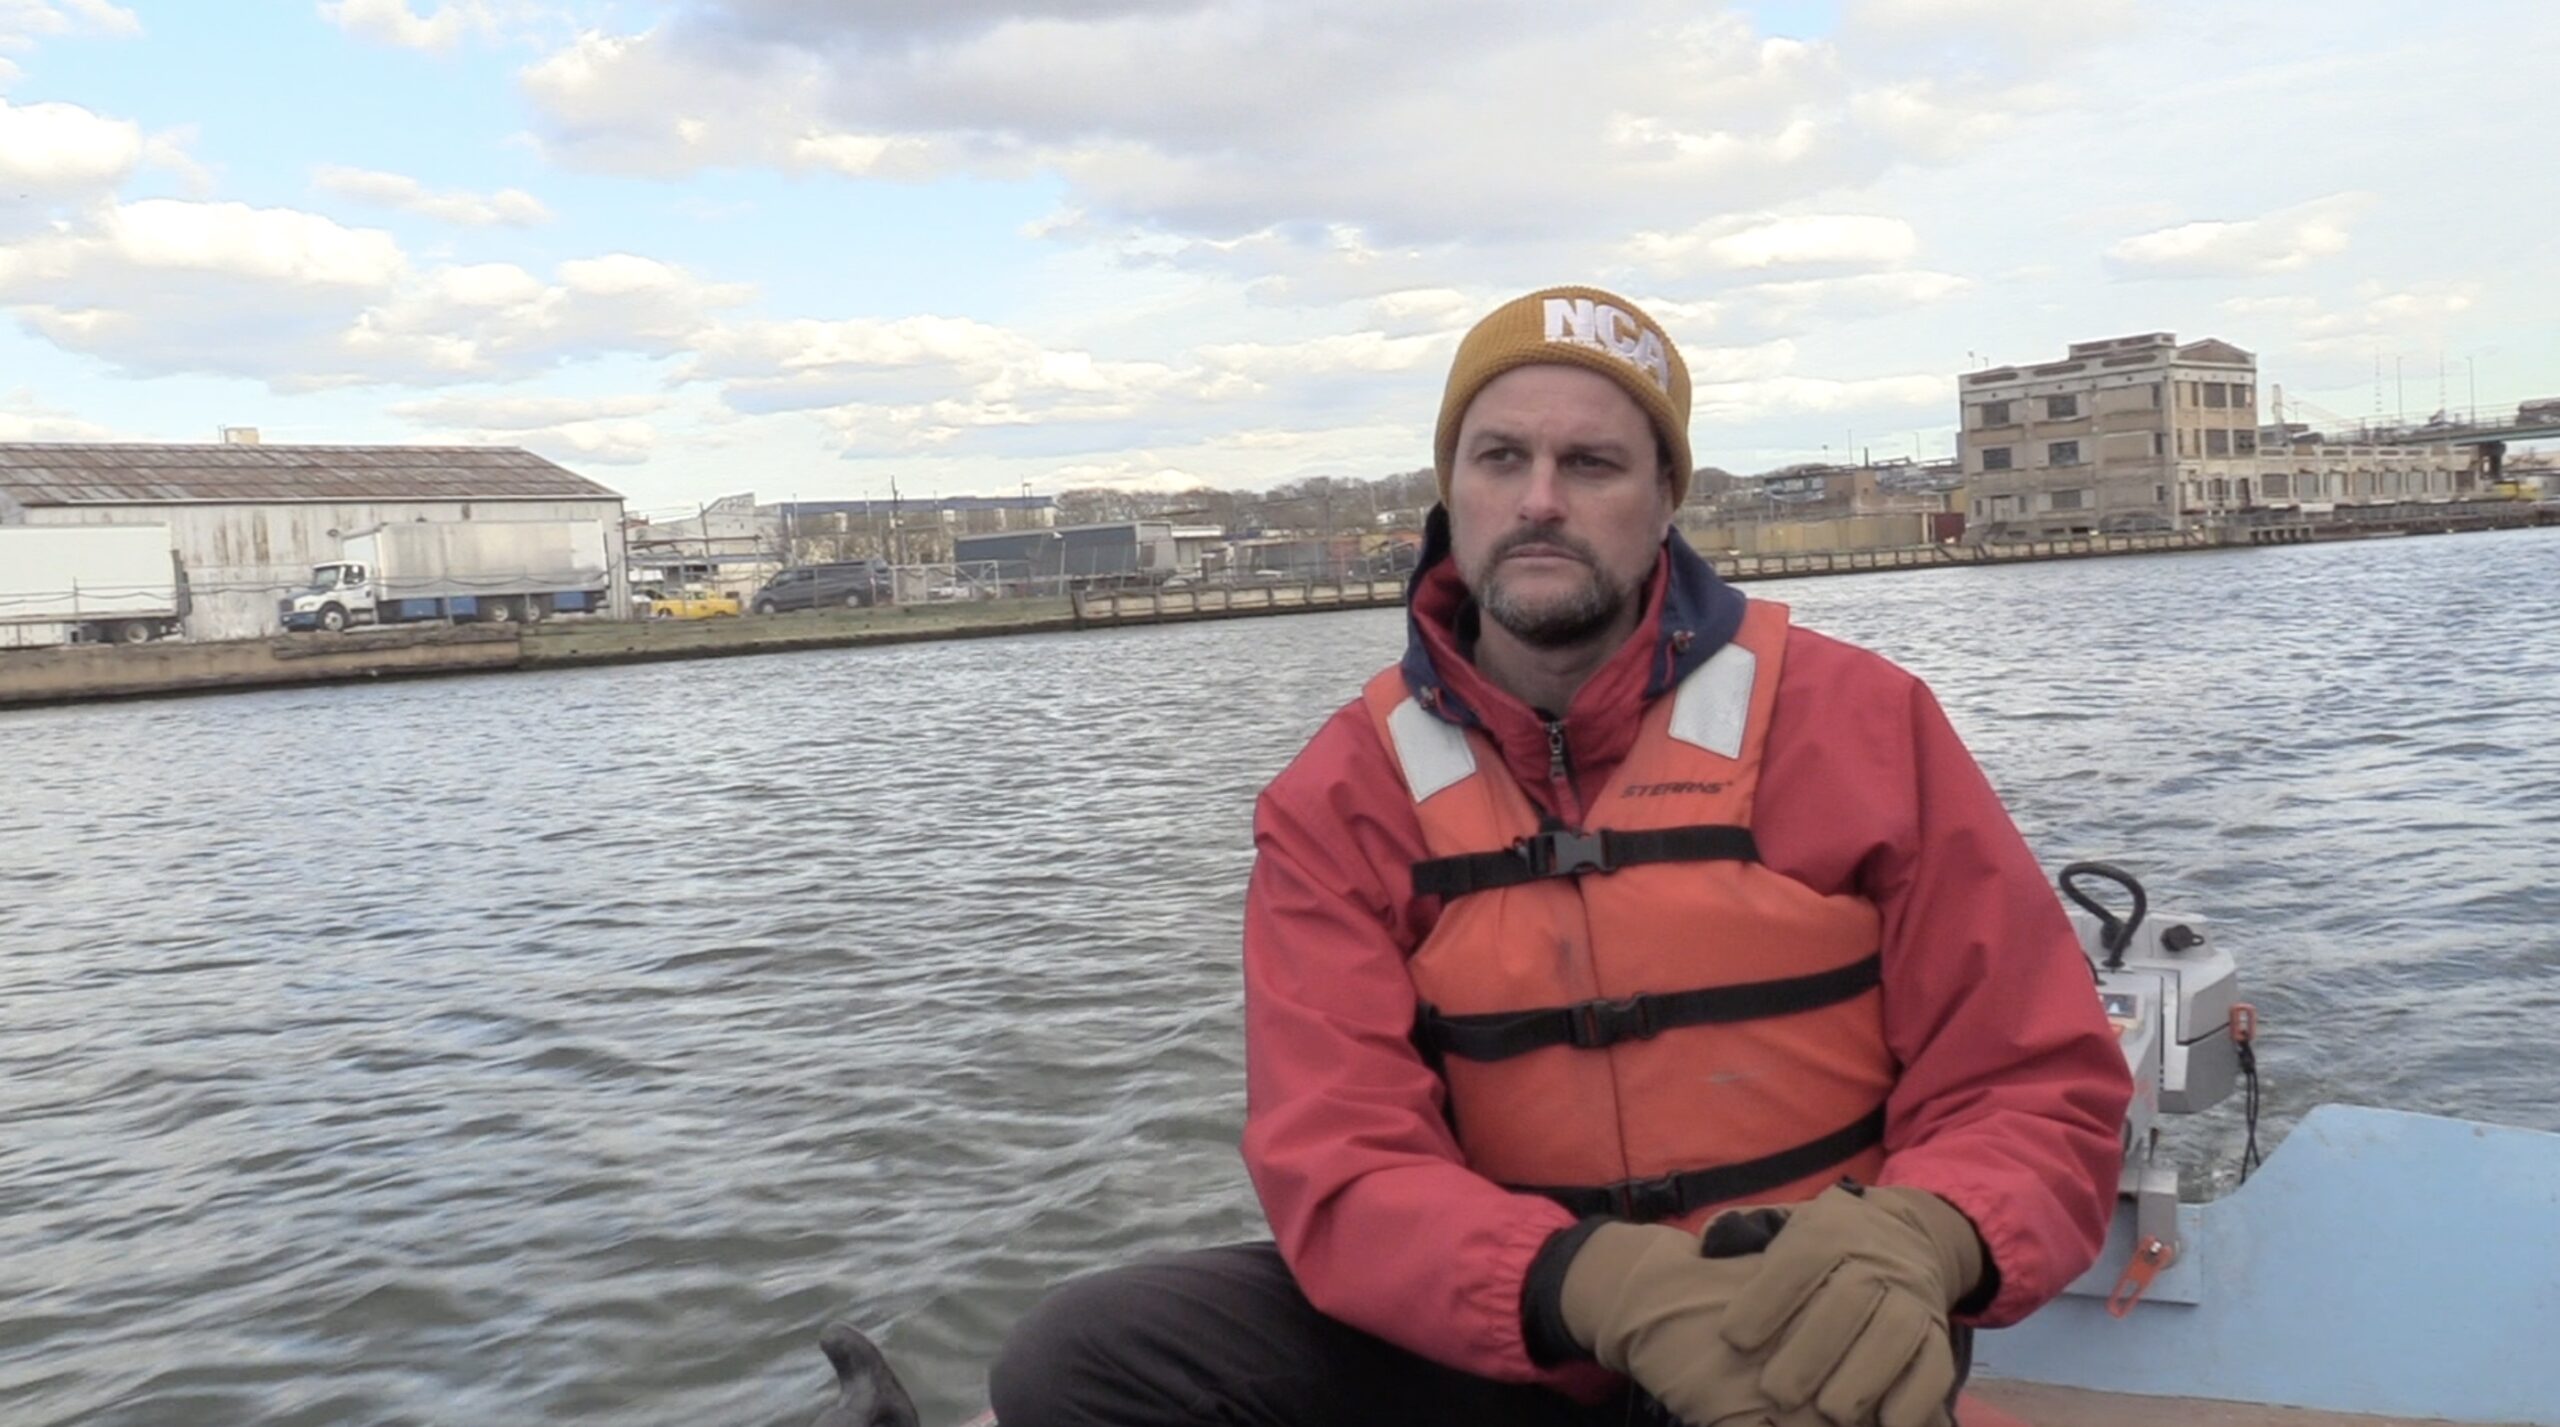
x,y
1602,327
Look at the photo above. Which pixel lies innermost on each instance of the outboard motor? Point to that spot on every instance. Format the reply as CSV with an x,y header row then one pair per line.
x,y
2172,995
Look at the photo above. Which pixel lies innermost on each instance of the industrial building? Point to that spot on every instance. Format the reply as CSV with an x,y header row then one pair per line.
x,y
1124,551
729,547
248,521
2146,433
923,530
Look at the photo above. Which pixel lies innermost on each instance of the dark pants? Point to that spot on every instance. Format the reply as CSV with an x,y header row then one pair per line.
x,y
1223,1338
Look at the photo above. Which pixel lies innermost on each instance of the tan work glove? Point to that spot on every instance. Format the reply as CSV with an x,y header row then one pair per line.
x,y
1646,1305
1848,1311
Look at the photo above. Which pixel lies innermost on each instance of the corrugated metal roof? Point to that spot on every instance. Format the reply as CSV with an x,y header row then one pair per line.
x,y
45,473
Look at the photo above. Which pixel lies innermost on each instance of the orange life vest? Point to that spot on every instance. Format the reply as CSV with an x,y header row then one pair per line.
x,y
1636,1017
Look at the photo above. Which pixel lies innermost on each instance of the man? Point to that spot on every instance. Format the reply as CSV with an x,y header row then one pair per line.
x,y
1617,905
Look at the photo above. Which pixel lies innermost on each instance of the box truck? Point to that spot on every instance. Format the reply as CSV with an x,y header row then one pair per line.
x,y
88,584
494,571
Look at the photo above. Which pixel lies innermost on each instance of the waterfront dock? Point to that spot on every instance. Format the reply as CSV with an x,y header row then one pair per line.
x,y
1107,608
80,673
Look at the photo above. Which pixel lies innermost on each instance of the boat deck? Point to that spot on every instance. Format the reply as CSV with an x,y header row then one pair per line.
x,y
2029,1404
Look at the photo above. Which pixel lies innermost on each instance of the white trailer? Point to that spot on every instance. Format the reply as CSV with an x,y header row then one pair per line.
x,y
84,584
494,571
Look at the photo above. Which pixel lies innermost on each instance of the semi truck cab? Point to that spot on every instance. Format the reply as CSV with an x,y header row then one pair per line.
x,y
340,594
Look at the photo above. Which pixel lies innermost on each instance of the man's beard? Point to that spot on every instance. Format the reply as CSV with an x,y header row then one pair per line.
x,y
1556,621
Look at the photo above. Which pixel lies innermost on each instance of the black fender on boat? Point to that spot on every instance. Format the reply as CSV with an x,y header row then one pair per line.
x,y
868,1394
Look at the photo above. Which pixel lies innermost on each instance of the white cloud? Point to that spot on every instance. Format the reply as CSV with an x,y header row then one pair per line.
x,y
392,22
495,319
1840,299
2014,30
605,443
643,104
1276,147
2353,322
1135,476
58,158
926,384
23,418
1754,400
2281,241
526,413
510,207
174,236
299,301
574,431
1944,122
1342,352
1803,240
1180,127
23,21
1431,307
62,149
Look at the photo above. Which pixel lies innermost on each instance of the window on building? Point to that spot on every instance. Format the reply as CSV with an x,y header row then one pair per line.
x,y
2155,396
2159,443
2276,485
1995,458
2061,408
2068,500
2062,453
2217,442
2245,442
2187,395
1995,413
2159,495
2216,394
2242,393
2186,443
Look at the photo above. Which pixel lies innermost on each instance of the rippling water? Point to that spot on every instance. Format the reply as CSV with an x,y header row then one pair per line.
x,y
567,1047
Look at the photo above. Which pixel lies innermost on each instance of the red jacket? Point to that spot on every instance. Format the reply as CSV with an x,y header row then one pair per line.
x,y
2012,1090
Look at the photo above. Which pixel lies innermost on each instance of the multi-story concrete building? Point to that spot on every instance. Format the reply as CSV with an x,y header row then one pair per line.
x,y
2096,441
2144,433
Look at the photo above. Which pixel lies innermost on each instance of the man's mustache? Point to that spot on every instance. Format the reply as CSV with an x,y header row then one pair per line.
x,y
1557,539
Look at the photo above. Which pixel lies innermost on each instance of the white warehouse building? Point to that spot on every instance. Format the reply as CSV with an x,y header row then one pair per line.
x,y
249,521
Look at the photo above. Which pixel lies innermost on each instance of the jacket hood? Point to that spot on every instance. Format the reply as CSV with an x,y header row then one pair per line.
x,y
1689,615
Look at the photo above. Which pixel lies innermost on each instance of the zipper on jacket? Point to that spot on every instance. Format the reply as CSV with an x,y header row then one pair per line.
x,y
1557,770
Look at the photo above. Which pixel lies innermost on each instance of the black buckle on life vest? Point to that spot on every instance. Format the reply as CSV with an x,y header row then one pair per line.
x,y
1597,1024
1567,852
1649,1201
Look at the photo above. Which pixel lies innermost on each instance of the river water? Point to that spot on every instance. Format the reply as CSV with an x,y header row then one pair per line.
x,y
568,1047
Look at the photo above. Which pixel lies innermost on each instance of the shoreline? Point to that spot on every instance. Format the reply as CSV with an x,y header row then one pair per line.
x,y
40,678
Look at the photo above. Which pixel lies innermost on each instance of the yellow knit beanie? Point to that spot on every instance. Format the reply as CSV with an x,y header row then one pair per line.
x,y
1582,327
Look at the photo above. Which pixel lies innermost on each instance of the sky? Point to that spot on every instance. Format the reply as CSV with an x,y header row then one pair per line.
x,y
812,249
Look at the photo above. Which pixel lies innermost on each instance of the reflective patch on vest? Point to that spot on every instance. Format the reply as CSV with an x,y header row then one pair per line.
x,y
1713,708
1434,753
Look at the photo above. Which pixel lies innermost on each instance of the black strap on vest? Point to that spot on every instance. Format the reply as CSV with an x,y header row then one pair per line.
x,y
1568,852
1591,1025
1648,1200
